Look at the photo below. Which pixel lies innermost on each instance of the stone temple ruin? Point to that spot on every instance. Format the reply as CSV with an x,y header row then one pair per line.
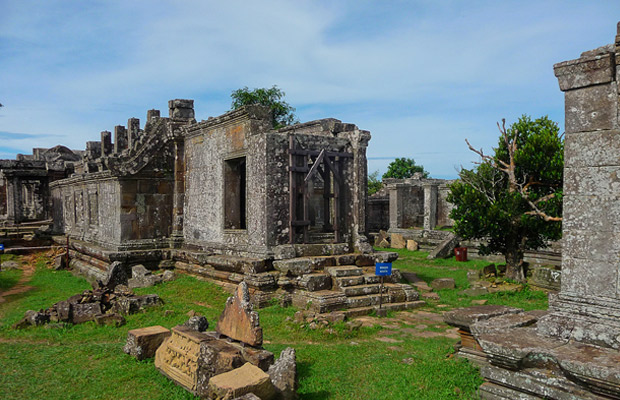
x,y
230,199
571,351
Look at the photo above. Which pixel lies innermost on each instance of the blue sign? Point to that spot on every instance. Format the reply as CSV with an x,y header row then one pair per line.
x,y
383,269
1,247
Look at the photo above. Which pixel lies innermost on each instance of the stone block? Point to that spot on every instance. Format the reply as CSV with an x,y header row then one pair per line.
x,y
597,213
295,266
444,249
198,323
412,245
314,282
592,108
591,149
585,71
592,181
116,275
443,283
112,319
143,343
238,382
82,312
398,241
238,321
283,375
465,317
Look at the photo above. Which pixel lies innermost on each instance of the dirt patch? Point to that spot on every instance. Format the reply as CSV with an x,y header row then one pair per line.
x,y
21,285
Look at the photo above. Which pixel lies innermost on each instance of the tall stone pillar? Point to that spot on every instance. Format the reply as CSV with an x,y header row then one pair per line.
x,y
120,139
179,192
359,142
133,130
396,206
430,206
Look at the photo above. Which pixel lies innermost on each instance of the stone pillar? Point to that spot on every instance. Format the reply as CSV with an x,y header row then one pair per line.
x,y
93,150
179,192
359,143
181,109
133,130
396,206
152,115
588,306
430,206
106,143
11,199
120,139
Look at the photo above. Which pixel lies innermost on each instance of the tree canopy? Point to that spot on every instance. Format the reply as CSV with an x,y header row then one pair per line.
x,y
283,113
402,168
513,198
374,184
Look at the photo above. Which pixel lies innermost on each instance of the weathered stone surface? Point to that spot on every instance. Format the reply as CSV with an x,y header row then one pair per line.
x,y
412,245
143,343
198,323
283,374
475,291
238,321
116,275
10,264
34,318
398,241
112,319
314,282
504,323
248,396
585,72
130,305
83,312
465,317
246,379
443,283
59,262
590,109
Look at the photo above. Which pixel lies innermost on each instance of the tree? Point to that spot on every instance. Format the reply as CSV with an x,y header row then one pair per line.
x,y
513,199
374,184
402,168
283,113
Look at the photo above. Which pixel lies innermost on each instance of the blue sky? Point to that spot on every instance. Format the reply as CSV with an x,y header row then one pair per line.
x,y
421,76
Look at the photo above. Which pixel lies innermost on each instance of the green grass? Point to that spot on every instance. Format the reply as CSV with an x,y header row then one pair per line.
x,y
86,361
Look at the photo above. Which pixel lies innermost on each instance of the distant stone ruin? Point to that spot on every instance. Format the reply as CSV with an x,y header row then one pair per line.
x,y
230,199
572,351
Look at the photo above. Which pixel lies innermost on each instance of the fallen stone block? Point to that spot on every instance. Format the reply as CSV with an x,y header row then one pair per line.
x,y
143,343
444,249
198,323
412,245
34,318
443,283
116,275
238,321
112,319
283,374
398,241
83,312
240,381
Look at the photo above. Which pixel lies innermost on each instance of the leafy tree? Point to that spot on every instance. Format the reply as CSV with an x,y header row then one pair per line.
x,y
374,184
513,199
283,113
402,168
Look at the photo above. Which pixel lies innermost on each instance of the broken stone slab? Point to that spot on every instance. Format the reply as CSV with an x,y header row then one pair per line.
x,y
116,275
142,277
130,305
465,317
475,291
473,275
198,323
10,264
238,321
445,248
60,262
283,374
248,396
142,343
443,283
412,245
240,381
168,276
398,241
504,323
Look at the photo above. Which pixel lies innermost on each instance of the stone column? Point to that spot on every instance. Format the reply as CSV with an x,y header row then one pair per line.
x,y
430,206
179,192
396,206
120,139
133,130
588,306
106,143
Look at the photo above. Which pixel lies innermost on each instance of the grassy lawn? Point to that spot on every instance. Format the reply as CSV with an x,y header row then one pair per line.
x,y
388,358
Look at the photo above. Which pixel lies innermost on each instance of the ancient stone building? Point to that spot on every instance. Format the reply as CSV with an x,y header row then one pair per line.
x,y
572,351
410,203
24,183
229,199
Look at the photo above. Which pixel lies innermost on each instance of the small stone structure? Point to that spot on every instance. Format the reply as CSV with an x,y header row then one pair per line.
x,y
572,352
142,343
230,199
229,362
24,183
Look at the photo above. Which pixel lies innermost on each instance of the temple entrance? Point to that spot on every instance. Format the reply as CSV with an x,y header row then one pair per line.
x,y
315,194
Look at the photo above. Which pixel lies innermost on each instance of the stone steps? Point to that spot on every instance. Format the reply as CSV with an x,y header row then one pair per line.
x,y
360,290
361,311
344,271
